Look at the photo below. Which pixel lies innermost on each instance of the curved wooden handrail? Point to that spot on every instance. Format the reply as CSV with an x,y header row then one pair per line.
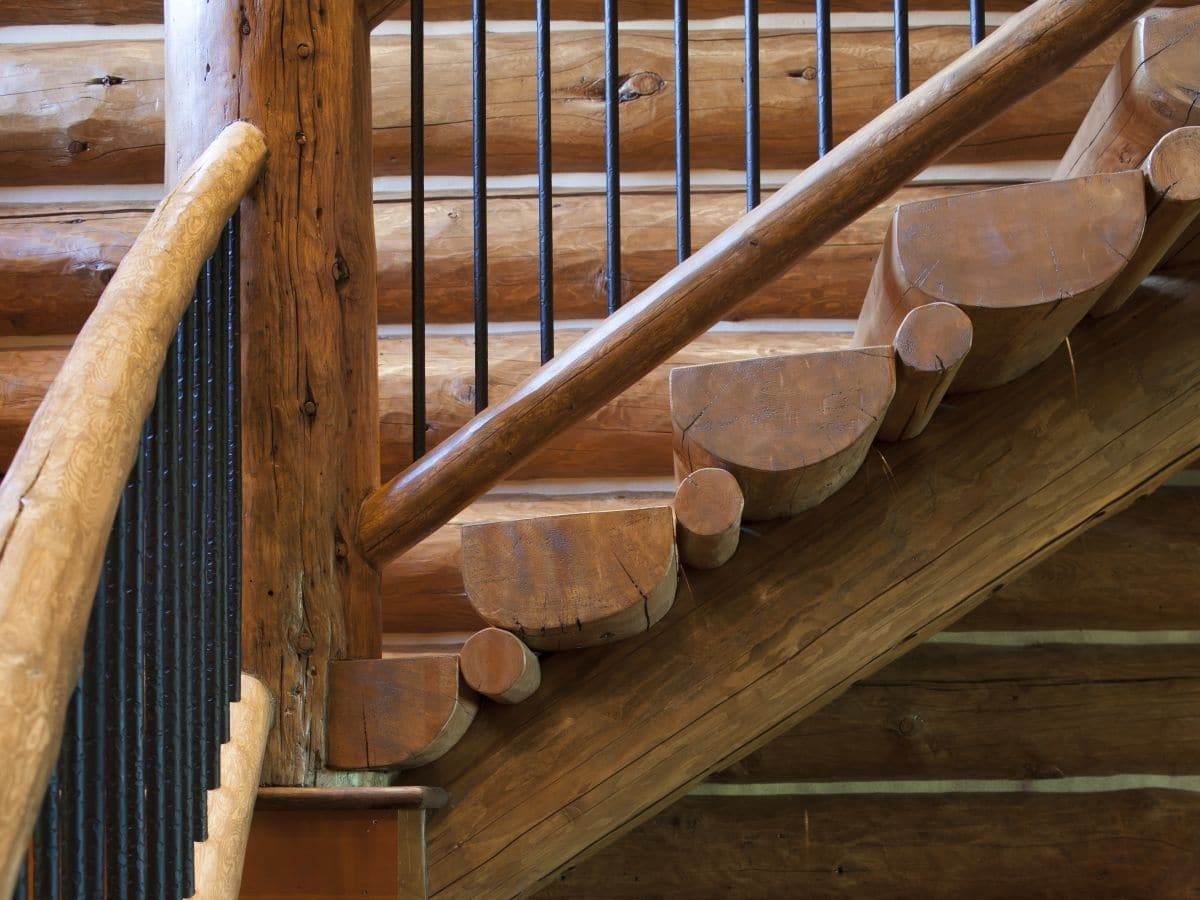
x,y
59,498
1029,50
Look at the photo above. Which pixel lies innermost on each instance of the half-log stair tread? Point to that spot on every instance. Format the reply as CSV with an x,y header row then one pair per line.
x,y
791,429
1025,262
562,582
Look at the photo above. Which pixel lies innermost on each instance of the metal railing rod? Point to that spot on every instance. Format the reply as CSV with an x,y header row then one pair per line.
x,y
900,14
978,21
545,186
416,95
612,155
154,627
824,78
479,176
683,164
753,140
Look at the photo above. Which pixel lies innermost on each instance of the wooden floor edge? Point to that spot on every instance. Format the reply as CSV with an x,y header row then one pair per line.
x,y
314,799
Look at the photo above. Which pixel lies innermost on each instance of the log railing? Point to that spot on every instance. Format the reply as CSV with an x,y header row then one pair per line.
x,y
59,499
1033,47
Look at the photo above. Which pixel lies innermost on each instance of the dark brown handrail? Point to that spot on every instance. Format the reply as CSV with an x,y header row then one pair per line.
x,y
1032,48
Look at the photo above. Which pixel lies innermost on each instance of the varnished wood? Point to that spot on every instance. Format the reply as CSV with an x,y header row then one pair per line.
x,y
498,665
1172,173
930,346
1030,50
1025,263
791,429
94,114
1127,844
59,497
309,395
219,858
563,582
821,600
1151,90
376,11
313,799
708,518
395,713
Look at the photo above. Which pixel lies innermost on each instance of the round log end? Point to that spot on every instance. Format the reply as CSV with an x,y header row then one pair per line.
x,y
708,513
498,665
1173,167
933,338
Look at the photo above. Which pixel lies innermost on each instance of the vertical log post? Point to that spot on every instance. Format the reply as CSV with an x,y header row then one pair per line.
x,y
300,71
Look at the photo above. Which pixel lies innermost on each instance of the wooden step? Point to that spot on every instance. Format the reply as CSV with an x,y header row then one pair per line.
x,y
791,429
570,581
1026,263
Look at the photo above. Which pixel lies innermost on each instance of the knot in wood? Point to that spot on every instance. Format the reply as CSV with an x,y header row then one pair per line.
x,y
310,408
341,271
304,51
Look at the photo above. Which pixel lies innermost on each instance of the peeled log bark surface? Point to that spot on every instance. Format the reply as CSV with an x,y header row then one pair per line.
x,y
93,113
1029,466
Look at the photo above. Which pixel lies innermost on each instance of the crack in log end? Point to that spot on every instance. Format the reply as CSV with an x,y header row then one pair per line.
x,y
630,87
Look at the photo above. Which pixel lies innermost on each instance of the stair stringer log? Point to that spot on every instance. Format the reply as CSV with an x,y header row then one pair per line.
x,y
809,605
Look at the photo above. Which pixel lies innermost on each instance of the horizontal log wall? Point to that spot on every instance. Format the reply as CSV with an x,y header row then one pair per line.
x,y
76,114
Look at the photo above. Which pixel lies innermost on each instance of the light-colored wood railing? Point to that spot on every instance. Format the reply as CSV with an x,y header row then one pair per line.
x,y
1029,50
59,498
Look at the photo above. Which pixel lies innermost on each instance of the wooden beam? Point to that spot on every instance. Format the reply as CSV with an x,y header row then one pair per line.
x,y
1033,47
59,497
809,605
376,11
97,117
310,437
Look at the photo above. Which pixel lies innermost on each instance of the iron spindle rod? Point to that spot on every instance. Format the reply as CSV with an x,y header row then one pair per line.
x,y
683,165
215,431
207,576
824,79
612,154
978,22
46,845
154,626
753,159
900,14
233,470
545,186
112,645
479,176
172,636
134,710
417,171
75,766
194,444
95,703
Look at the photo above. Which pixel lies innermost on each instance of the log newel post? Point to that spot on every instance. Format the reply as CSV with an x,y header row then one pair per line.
x,y
300,71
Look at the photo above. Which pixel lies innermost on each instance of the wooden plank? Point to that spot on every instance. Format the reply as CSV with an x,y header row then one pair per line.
x,y
1130,844
93,114
949,711
812,604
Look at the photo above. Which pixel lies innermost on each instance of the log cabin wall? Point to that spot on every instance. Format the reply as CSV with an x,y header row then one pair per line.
x,y
980,763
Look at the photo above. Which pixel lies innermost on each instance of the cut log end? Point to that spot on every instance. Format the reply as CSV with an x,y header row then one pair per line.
x,y
931,345
708,518
498,665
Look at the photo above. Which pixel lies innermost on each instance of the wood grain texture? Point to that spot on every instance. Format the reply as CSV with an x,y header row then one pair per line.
x,y
708,518
220,857
565,582
309,396
59,497
1028,51
754,647
1026,263
313,799
1151,90
498,665
930,346
791,429
93,114
55,261
946,712
395,713
991,847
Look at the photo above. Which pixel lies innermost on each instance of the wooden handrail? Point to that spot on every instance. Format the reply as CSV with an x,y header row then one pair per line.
x,y
1033,47
59,498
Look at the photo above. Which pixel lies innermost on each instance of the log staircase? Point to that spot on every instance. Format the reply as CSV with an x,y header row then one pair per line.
x,y
994,401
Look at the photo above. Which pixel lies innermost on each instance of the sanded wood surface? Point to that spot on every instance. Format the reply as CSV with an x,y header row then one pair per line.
x,y
1029,50
1024,262
563,582
1150,91
1031,466
93,114
950,711
930,346
220,856
312,799
395,713
791,429
708,517
497,664
60,494
1130,844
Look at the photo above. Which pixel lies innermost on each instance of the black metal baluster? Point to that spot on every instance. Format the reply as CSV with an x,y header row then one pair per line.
x,y
135,654
900,15
417,208
824,79
95,710
233,467
211,280
612,154
214,368
111,644
73,763
194,443
184,554
46,845
479,177
753,159
172,635
154,626
21,890
683,165
978,22
545,186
